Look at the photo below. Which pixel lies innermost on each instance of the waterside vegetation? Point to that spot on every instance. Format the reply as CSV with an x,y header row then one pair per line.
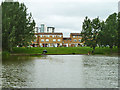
x,y
64,50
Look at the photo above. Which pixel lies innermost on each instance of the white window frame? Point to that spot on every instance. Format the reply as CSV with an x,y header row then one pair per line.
x,y
75,40
59,40
73,36
40,35
47,40
79,40
42,40
54,40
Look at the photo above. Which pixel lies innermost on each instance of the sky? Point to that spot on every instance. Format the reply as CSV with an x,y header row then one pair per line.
x,y
67,16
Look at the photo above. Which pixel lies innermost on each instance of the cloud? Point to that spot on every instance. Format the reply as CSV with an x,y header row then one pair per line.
x,y
67,15
58,1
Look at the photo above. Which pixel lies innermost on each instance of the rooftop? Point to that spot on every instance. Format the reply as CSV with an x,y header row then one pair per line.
x,y
75,34
48,33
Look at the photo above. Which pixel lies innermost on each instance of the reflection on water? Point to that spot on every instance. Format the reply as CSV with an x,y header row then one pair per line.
x,y
60,71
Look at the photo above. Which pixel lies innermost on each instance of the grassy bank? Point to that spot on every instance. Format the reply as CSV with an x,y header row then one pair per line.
x,y
63,50
5,54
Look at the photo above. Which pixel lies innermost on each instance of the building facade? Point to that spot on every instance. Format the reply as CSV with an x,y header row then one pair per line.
x,y
45,37
44,29
76,39
67,42
50,29
49,39
57,40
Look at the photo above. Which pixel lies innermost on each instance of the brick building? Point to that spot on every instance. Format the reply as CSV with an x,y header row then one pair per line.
x,y
76,39
67,42
57,40
45,37
49,39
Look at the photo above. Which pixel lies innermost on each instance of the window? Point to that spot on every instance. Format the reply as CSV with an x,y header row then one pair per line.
x,y
59,35
52,35
75,40
42,40
47,35
47,40
34,40
59,40
73,36
40,35
54,40
79,40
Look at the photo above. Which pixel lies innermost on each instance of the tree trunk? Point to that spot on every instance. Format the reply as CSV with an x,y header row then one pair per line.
x,y
93,50
11,49
111,49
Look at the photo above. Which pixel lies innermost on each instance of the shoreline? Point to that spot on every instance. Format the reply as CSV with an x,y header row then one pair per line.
x,y
61,54
42,54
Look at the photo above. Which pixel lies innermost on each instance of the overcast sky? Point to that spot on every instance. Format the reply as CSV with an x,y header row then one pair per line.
x,y
67,15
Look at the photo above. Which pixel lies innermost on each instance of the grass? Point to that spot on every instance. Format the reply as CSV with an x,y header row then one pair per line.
x,y
5,54
62,50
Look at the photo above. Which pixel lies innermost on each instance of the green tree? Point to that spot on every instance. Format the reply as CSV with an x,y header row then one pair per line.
x,y
110,31
90,30
17,25
118,30
101,37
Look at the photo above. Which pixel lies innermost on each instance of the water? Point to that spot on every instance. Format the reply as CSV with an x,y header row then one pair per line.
x,y
60,71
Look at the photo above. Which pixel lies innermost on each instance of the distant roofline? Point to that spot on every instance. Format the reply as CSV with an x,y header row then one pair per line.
x,y
48,33
75,34
50,27
66,37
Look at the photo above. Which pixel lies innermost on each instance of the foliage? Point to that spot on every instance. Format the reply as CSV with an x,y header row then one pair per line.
x,y
109,34
103,33
90,30
118,30
17,25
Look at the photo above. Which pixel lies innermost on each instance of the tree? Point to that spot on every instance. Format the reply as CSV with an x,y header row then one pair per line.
x,y
118,30
110,31
101,37
90,30
17,25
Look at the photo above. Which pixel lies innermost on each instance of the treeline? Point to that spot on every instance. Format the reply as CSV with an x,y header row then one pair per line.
x,y
101,33
17,25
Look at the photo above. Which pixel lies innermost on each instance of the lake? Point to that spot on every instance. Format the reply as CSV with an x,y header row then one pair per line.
x,y
60,71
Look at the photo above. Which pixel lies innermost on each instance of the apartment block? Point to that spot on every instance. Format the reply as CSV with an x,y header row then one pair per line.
x,y
49,39
57,40
46,37
76,39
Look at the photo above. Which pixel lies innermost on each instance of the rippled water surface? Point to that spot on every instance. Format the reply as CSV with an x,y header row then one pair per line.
x,y
60,71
